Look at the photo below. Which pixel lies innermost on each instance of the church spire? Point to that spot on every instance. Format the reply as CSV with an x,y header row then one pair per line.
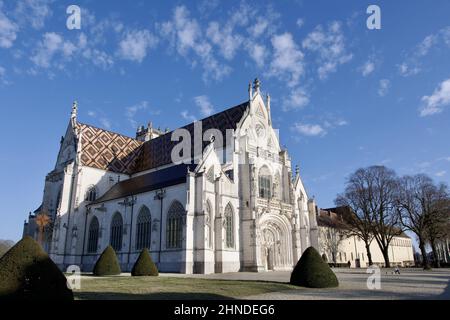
x,y
268,109
73,115
256,85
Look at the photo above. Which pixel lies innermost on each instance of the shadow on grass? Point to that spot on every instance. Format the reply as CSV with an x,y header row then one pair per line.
x,y
149,296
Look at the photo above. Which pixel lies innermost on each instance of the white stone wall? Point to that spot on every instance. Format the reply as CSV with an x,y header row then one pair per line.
x,y
352,248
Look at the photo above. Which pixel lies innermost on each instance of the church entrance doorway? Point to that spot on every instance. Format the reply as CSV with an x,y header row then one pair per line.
x,y
276,245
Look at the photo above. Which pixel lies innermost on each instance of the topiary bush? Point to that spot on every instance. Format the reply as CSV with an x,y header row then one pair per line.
x,y
107,264
312,272
28,273
144,265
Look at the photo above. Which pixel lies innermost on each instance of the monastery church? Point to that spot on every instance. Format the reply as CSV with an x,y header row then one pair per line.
x,y
237,206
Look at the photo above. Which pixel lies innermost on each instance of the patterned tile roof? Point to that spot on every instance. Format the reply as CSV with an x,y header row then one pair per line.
x,y
107,150
111,151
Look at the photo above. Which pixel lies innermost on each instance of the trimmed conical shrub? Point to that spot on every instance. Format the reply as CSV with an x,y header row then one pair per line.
x,y
144,265
28,273
107,264
312,272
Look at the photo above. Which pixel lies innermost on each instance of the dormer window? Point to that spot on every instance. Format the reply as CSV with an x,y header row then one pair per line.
x,y
91,194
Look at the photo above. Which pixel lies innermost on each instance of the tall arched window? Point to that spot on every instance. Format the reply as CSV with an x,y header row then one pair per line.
x,y
116,232
229,226
91,194
209,225
265,183
93,235
143,229
174,225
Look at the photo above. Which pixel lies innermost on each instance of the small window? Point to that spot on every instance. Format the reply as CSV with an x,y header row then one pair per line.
x,y
91,194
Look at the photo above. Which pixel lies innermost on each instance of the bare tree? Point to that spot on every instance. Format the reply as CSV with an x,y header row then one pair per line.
x,y
353,206
438,220
415,206
371,194
331,238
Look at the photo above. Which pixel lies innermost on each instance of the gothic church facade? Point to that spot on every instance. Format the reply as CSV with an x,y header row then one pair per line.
x,y
236,206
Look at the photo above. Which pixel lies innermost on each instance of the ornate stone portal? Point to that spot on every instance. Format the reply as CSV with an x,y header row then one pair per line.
x,y
276,243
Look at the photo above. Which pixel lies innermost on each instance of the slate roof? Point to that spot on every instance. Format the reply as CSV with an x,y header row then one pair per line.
x,y
147,182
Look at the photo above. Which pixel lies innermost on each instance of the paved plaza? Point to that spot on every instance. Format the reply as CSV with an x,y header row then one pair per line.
x,y
410,284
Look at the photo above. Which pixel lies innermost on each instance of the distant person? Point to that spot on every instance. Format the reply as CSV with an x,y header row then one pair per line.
x,y
397,270
349,264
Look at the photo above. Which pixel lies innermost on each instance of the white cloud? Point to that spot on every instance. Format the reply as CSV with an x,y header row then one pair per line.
x,y
33,12
330,46
184,34
206,108
257,52
92,113
300,22
437,101
224,38
309,129
287,60
384,87
3,79
333,122
106,123
297,99
440,173
426,45
341,122
407,70
135,44
259,27
50,45
8,30
367,68
414,59
99,58
130,112
185,114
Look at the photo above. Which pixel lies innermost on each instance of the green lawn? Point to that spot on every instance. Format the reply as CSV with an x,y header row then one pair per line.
x,y
126,287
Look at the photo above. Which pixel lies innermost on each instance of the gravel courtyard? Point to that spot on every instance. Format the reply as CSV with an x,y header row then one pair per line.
x,y
410,284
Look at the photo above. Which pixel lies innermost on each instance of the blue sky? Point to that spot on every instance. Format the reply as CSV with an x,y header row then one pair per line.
x,y
343,96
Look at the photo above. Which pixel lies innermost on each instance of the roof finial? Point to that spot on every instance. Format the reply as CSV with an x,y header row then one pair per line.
x,y
73,115
250,91
297,170
256,85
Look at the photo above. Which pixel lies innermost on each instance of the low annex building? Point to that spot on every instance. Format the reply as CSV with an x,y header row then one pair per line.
x,y
234,207
338,248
